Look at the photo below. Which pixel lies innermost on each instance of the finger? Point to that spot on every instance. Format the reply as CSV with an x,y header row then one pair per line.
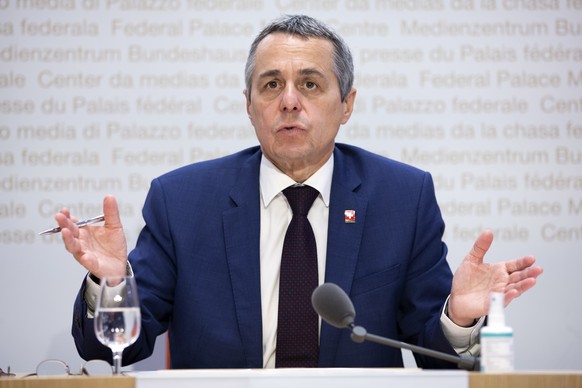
x,y
517,289
519,264
63,216
64,220
529,272
66,212
480,247
71,242
70,233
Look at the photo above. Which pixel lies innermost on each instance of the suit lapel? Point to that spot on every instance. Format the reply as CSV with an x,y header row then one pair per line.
x,y
242,241
241,235
344,240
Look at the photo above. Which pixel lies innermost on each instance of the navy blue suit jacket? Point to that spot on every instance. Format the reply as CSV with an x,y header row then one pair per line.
x,y
197,264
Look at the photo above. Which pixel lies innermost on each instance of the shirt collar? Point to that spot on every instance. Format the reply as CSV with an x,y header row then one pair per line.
x,y
273,180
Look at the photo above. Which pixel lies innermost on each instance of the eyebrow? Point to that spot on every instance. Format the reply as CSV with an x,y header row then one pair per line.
x,y
276,73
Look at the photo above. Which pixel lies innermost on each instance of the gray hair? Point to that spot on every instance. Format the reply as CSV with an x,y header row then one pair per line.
x,y
307,27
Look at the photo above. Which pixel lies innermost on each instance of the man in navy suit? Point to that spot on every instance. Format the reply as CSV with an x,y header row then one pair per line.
x,y
207,262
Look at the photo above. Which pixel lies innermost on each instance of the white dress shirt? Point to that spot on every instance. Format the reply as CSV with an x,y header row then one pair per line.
x,y
276,215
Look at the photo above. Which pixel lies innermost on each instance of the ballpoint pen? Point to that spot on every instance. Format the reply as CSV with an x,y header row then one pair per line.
x,y
80,224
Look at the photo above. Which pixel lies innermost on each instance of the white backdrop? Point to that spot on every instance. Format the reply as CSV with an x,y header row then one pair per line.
x,y
101,96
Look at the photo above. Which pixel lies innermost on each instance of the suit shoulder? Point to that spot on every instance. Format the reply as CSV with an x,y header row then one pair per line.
x,y
214,167
370,163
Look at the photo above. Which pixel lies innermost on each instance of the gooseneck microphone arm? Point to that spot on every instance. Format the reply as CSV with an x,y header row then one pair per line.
x,y
359,335
335,307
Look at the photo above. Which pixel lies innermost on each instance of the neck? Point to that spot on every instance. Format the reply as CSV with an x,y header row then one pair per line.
x,y
300,171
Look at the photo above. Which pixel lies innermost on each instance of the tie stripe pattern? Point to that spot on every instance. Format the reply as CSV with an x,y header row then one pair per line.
x,y
298,323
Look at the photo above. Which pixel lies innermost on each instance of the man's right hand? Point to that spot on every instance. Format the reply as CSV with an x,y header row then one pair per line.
x,y
102,250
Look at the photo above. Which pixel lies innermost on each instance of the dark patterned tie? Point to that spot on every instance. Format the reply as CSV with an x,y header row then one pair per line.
x,y
298,323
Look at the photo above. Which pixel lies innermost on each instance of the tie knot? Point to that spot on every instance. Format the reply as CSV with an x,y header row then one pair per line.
x,y
300,198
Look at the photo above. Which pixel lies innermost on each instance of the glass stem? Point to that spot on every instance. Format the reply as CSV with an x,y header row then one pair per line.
x,y
117,362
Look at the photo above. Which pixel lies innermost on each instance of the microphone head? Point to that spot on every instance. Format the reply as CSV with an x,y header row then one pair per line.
x,y
333,305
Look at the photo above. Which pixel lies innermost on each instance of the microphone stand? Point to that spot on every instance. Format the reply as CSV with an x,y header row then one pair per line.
x,y
470,363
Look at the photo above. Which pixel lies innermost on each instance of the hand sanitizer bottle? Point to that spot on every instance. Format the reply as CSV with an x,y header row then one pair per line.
x,y
496,338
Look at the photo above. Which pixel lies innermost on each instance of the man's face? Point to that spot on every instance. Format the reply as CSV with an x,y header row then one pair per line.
x,y
295,103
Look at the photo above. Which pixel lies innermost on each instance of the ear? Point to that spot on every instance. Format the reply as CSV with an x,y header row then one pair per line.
x,y
349,105
248,98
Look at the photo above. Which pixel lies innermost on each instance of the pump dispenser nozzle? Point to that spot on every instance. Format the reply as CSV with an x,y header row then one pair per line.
x,y
496,338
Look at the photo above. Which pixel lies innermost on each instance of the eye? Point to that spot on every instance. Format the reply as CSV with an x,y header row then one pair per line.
x,y
310,85
272,85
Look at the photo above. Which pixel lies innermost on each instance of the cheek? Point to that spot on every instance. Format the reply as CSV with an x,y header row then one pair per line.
x,y
254,114
260,123
330,118
265,117
257,108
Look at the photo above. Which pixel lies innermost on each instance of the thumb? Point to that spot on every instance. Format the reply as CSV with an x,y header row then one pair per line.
x,y
480,247
111,212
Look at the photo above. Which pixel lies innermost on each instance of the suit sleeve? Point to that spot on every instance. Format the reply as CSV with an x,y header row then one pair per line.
x,y
154,268
428,281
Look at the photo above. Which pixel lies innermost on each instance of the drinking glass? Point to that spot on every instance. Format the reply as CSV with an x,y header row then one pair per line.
x,y
117,315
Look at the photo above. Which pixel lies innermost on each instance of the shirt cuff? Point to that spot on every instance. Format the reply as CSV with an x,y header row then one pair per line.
x,y
465,340
92,289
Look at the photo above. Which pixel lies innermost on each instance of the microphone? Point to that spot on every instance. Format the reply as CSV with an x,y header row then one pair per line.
x,y
335,307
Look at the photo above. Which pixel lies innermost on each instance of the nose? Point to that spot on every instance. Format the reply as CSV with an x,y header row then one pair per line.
x,y
290,99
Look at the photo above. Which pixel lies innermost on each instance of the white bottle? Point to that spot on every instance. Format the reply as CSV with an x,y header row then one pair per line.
x,y
496,338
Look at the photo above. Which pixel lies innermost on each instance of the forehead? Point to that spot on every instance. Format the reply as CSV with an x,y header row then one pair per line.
x,y
278,50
